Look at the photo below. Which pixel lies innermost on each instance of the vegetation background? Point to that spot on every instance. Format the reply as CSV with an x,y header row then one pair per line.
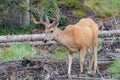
x,y
15,19
15,14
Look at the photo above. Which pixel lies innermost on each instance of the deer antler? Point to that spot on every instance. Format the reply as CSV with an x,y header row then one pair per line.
x,y
47,23
40,18
57,17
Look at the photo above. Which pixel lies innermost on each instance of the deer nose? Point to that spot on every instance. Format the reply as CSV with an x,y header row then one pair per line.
x,y
45,41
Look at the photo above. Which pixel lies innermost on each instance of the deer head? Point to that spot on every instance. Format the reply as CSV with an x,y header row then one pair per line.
x,y
49,27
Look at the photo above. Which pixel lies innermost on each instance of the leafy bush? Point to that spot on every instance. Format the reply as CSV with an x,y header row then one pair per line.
x,y
17,52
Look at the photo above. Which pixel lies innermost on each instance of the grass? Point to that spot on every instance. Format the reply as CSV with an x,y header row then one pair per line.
x,y
17,52
58,53
69,3
105,8
115,69
79,13
61,53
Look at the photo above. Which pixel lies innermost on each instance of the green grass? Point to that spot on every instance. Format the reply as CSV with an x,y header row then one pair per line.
x,y
79,13
17,52
69,3
61,53
105,8
115,69
58,52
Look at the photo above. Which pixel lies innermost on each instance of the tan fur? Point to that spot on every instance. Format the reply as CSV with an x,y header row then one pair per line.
x,y
78,37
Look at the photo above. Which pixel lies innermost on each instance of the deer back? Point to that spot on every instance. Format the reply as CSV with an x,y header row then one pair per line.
x,y
83,33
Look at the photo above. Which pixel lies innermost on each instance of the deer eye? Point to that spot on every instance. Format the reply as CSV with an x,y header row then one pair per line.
x,y
51,31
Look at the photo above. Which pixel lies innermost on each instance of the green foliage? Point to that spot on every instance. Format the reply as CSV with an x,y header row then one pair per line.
x,y
107,13
43,2
115,69
16,30
69,3
48,9
105,8
11,15
72,3
63,20
17,52
79,13
23,7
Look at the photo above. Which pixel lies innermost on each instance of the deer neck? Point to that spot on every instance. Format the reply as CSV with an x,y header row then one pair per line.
x,y
60,37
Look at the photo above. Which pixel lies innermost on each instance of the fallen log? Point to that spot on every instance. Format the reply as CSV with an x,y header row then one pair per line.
x,y
110,46
33,43
21,38
111,33
108,23
38,37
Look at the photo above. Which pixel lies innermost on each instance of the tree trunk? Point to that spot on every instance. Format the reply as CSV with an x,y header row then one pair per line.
x,y
26,15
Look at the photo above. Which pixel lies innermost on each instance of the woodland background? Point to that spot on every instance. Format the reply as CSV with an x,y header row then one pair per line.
x,y
32,61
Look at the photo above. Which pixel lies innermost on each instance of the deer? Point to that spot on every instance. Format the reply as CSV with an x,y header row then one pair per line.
x,y
77,37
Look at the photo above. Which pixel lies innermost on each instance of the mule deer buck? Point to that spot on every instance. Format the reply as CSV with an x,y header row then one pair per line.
x,y
75,38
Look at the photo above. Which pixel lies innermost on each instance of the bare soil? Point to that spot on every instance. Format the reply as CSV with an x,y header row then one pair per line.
x,y
42,68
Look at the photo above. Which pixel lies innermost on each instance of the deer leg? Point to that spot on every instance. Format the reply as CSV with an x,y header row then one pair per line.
x,y
82,55
69,63
91,60
67,58
95,58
